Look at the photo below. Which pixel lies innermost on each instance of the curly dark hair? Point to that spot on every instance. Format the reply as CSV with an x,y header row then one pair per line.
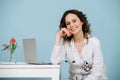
x,y
85,27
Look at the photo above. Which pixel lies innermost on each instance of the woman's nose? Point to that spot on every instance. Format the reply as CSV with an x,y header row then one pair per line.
x,y
71,25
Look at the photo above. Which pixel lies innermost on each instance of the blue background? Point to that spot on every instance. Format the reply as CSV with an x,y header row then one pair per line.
x,y
40,19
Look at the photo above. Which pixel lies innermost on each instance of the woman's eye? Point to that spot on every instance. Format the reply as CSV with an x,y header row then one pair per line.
x,y
67,23
74,20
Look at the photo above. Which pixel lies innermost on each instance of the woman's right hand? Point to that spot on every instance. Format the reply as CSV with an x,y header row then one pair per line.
x,y
61,33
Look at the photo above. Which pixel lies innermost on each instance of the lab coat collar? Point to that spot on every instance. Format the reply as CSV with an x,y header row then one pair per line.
x,y
72,42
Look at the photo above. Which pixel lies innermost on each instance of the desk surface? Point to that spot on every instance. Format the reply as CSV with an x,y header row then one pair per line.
x,y
24,65
29,70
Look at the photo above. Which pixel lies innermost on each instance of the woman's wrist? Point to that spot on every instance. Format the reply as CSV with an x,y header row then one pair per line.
x,y
58,37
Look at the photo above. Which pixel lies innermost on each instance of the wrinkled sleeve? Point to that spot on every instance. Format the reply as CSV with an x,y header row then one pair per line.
x,y
98,71
58,54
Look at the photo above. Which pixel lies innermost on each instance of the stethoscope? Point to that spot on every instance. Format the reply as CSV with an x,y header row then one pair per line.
x,y
86,66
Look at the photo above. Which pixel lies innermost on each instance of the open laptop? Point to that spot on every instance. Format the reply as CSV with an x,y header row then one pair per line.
x,y
30,52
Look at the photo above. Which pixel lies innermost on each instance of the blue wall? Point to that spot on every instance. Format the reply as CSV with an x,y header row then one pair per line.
x,y
40,19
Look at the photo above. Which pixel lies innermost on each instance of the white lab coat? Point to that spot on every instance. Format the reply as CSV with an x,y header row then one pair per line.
x,y
86,65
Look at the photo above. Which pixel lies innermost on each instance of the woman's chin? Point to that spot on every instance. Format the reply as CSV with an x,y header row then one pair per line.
x,y
73,32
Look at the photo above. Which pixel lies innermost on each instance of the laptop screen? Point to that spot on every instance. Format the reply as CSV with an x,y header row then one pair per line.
x,y
30,50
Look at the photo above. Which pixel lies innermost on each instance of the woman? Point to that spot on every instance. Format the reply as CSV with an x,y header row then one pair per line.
x,y
82,51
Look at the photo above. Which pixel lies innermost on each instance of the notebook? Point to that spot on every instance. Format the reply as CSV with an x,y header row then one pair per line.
x,y
30,52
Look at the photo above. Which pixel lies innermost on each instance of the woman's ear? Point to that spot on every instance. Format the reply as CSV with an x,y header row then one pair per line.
x,y
82,23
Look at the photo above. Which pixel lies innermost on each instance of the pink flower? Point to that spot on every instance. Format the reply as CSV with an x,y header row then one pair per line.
x,y
5,46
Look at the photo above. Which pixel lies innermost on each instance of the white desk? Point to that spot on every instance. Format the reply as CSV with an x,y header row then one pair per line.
x,y
25,70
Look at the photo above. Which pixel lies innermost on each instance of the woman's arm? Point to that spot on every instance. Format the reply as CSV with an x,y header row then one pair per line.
x,y
58,53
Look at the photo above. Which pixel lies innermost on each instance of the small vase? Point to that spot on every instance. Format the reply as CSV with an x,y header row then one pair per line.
x,y
10,57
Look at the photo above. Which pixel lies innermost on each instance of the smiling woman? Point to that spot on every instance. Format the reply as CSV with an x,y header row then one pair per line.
x,y
39,18
81,50
76,20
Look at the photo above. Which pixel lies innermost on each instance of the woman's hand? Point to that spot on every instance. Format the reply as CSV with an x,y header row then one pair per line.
x,y
64,32
61,33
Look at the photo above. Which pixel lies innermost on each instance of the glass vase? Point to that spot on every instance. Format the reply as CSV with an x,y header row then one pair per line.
x,y
10,57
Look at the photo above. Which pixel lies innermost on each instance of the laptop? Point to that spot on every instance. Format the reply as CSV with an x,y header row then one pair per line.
x,y
30,52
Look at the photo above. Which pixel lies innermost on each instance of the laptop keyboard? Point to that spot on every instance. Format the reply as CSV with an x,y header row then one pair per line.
x,y
42,63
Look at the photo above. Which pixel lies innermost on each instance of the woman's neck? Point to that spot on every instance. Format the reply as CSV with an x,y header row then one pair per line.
x,y
79,37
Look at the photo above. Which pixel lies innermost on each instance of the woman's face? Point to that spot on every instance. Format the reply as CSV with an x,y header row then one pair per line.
x,y
73,23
